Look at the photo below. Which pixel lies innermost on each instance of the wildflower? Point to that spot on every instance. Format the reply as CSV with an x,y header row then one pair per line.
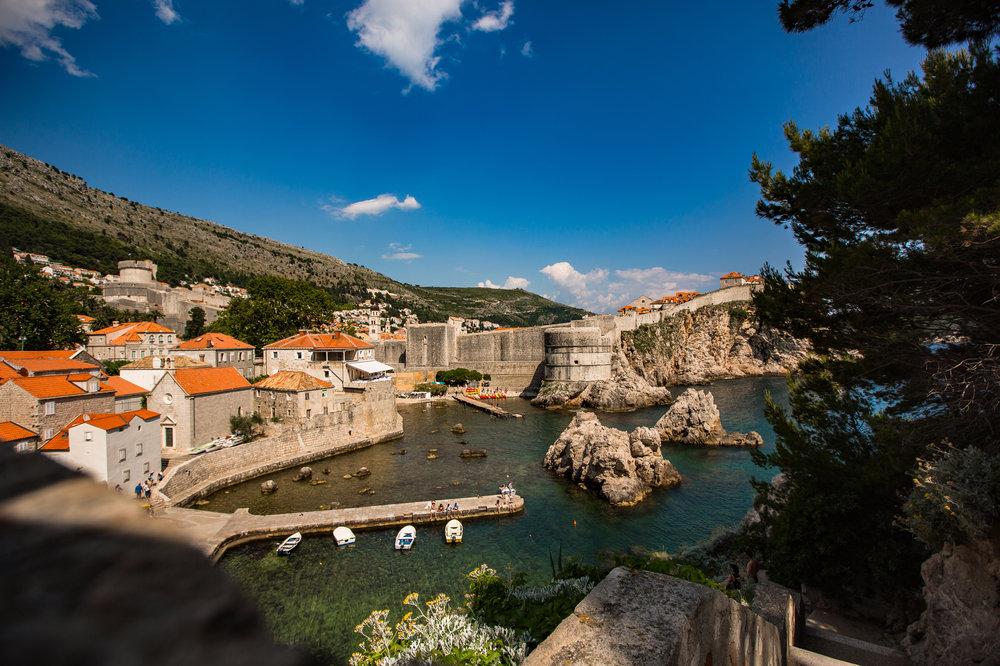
x,y
411,599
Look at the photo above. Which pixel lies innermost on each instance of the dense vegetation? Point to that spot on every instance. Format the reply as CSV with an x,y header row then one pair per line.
x,y
38,313
459,376
276,308
891,445
195,324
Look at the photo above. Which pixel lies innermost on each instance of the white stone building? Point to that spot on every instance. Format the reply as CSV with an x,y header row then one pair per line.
x,y
218,350
118,449
337,358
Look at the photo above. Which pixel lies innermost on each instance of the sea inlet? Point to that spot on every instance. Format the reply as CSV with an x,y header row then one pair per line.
x,y
314,598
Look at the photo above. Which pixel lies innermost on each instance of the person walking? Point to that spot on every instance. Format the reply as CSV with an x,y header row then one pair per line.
x,y
138,491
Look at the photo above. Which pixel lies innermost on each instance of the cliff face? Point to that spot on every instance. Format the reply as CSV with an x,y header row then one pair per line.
x,y
713,342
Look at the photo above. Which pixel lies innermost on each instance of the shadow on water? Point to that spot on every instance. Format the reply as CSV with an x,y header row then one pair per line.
x,y
316,597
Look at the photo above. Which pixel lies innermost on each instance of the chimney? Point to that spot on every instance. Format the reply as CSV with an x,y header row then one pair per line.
x,y
86,417
115,322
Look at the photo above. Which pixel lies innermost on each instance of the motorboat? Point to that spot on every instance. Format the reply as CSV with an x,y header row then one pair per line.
x,y
343,536
289,544
406,537
453,531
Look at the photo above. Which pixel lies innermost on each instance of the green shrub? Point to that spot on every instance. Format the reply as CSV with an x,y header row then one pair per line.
x,y
433,389
458,376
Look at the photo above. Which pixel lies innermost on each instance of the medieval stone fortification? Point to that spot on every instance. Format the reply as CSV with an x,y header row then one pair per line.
x,y
583,351
136,288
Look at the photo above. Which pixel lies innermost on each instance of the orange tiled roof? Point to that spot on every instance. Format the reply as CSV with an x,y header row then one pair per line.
x,y
292,380
7,372
214,341
123,388
39,353
103,421
305,340
197,381
50,365
734,274
85,319
135,326
51,386
12,432
754,278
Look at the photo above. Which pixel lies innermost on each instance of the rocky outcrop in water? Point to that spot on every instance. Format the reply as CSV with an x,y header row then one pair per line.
x,y
694,419
621,467
962,591
304,474
713,342
624,392
268,487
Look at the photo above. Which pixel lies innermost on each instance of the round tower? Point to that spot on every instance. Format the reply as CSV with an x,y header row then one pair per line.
x,y
576,355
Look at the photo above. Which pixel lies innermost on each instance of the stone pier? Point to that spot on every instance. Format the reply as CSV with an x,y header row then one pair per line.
x,y
214,533
493,410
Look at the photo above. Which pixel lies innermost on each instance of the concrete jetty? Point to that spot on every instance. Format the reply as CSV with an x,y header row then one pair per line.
x,y
214,533
485,406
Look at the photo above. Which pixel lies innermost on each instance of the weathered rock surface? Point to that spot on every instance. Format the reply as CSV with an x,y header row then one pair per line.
x,y
621,467
268,487
458,429
962,622
694,419
362,473
304,474
639,617
472,453
713,342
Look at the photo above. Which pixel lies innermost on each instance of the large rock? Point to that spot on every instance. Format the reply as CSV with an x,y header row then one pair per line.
x,y
621,467
268,487
713,342
639,617
962,622
694,419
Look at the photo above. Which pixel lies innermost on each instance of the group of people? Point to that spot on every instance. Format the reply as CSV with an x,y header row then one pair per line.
x,y
452,507
734,581
144,489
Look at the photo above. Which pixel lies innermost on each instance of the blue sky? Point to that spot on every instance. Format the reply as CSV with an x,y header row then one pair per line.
x,y
589,151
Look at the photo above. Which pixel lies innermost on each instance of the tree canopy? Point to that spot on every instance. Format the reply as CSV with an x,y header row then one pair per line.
x,y
195,324
274,309
930,23
38,313
898,209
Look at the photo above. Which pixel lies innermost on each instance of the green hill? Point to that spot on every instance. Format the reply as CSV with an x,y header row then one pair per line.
x,y
46,210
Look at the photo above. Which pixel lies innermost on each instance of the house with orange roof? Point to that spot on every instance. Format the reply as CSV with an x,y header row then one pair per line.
x,y
46,403
17,437
128,396
336,357
737,279
218,350
298,397
86,322
196,405
130,341
147,371
37,367
78,354
120,449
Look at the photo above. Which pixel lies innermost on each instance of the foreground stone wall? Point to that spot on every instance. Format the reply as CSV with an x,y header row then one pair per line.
x,y
640,617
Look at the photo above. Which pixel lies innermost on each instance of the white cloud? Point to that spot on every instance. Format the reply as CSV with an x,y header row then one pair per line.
x,y
593,290
496,20
405,33
511,282
376,206
527,51
401,252
165,11
572,280
28,24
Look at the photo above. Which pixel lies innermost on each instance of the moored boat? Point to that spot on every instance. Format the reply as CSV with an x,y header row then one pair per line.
x,y
289,544
406,537
453,531
343,536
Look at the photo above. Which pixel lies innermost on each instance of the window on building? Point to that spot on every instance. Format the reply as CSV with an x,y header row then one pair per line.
x,y
307,395
50,408
138,449
274,354
161,340
133,354
298,355
239,411
126,477
145,468
168,437
326,409
309,413
88,436
326,373
122,454
47,434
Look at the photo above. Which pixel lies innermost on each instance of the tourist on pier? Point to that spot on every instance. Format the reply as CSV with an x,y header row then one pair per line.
x,y
159,477
138,491
430,507
440,508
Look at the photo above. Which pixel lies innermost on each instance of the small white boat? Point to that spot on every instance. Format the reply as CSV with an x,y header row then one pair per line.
x,y
406,537
343,536
453,531
289,544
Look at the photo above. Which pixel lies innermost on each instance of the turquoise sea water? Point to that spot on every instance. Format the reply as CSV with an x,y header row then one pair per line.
x,y
314,598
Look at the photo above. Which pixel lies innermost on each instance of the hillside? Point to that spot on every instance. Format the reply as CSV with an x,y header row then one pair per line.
x,y
46,210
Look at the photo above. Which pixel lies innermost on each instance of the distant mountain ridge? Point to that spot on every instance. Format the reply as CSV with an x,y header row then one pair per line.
x,y
44,209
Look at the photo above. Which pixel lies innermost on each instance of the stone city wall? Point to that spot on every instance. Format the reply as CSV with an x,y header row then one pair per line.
x,y
375,419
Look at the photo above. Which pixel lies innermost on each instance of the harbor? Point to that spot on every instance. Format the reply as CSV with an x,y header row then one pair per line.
x,y
492,410
214,533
